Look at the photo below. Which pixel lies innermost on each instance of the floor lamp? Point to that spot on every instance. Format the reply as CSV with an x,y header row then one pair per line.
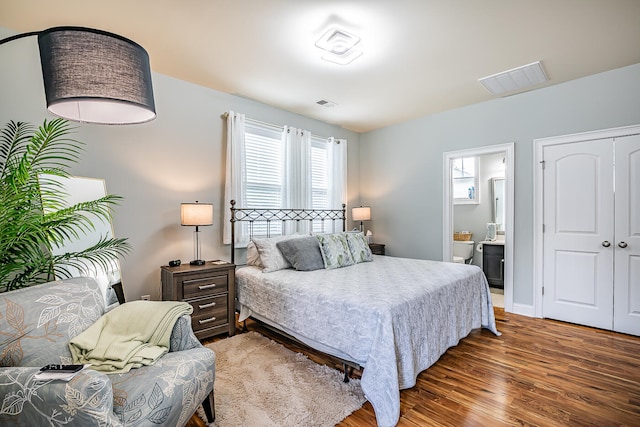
x,y
93,76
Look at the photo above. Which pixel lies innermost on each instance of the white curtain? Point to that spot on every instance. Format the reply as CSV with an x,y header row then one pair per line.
x,y
236,173
337,172
296,185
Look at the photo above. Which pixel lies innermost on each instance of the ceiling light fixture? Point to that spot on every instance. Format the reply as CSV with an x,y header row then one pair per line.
x,y
516,79
339,45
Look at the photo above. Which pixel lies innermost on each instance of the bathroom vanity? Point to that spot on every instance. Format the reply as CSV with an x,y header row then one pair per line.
x,y
493,263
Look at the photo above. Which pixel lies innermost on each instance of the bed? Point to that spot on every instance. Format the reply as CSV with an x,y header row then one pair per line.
x,y
394,317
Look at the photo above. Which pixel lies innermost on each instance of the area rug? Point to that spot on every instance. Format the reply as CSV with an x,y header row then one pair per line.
x,y
261,383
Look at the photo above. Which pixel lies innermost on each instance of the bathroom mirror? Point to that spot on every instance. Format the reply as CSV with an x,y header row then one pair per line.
x,y
498,191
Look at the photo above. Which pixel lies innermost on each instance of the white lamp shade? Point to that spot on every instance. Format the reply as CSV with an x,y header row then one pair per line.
x,y
196,214
363,213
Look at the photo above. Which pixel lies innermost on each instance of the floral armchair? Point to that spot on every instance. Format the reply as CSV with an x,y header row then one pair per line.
x,y
36,324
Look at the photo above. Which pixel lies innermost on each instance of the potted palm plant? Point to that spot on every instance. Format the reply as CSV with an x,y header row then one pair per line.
x,y
33,215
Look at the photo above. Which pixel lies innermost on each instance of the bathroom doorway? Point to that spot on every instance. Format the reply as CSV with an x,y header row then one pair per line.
x,y
480,195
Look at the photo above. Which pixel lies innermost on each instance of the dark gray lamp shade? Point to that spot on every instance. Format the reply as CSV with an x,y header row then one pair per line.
x,y
96,77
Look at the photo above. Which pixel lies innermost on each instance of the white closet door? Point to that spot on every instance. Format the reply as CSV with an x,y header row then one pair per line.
x,y
627,235
578,238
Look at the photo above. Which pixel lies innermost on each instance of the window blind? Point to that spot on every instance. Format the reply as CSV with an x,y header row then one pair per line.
x,y
264,167
274,167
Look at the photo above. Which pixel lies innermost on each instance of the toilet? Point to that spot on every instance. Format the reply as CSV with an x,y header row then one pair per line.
x,y
462,251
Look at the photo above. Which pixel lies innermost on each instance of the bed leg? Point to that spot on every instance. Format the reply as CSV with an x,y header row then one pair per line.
x,y
346,372
244,325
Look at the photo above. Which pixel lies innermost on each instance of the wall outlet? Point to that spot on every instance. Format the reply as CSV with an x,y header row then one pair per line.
x,y
145,297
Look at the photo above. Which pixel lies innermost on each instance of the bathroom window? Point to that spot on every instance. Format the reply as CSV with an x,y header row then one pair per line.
x,y
464,173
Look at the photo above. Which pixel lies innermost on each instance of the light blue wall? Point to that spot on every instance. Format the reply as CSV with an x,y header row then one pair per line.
x,y
397,170
179,157
401,166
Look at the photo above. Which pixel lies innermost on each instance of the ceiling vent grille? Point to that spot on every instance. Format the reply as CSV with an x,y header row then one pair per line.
x,y
517,79
326,103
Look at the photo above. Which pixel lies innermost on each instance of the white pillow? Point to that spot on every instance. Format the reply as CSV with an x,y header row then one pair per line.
x,y
270,256
253,257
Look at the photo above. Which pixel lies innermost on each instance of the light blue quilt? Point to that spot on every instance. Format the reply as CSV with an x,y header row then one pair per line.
x,y
393,316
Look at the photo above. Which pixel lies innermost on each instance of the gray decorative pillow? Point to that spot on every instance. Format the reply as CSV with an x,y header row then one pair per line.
x,y
270,256
359,247
303,254
335,250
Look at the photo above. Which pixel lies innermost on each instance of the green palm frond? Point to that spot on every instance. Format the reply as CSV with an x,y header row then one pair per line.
x,y
34,217
50,151
72,222
13,138
100,254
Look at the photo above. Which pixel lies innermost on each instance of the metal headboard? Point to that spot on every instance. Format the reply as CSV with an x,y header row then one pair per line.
x,y
253,215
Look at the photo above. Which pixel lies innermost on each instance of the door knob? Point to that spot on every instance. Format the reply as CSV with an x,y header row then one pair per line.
x,y
606,243
622,244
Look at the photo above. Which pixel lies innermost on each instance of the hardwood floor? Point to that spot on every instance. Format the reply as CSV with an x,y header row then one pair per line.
x,y
538,373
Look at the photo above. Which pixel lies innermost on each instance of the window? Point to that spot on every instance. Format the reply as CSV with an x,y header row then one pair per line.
x,y
266,182
464,173
319,173
264,167
264,175
320,179
277,167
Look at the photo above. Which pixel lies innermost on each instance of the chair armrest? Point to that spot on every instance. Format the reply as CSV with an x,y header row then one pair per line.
x,y
182,336
171,389
87,399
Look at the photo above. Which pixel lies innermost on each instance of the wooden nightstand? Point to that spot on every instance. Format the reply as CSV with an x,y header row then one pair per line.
x,y
376,248
210,289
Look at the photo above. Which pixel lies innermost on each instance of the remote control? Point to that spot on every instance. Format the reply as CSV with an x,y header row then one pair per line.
x,y
62,368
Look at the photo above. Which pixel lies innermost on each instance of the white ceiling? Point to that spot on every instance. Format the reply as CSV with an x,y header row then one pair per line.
x,y
420,56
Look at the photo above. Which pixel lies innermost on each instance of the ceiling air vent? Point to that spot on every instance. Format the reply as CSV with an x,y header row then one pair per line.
x,y
326,103
516,79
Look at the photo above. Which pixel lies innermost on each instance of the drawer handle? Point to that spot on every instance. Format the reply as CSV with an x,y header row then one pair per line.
x,y
204,287
203,306
203,321
204,279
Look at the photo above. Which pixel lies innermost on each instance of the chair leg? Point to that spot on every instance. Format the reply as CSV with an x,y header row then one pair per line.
x,y
209,407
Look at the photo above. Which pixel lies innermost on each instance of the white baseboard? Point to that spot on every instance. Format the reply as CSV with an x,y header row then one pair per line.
x,y
524,310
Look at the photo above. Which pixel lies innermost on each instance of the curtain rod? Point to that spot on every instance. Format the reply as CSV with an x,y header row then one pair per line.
x,y
271,125
256,122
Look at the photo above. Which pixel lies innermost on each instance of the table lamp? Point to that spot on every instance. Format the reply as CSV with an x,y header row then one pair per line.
x,y
196,214
363,213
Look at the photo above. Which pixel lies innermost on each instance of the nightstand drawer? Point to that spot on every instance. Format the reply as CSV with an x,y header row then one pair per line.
x,y
204,285
206,319
208,306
